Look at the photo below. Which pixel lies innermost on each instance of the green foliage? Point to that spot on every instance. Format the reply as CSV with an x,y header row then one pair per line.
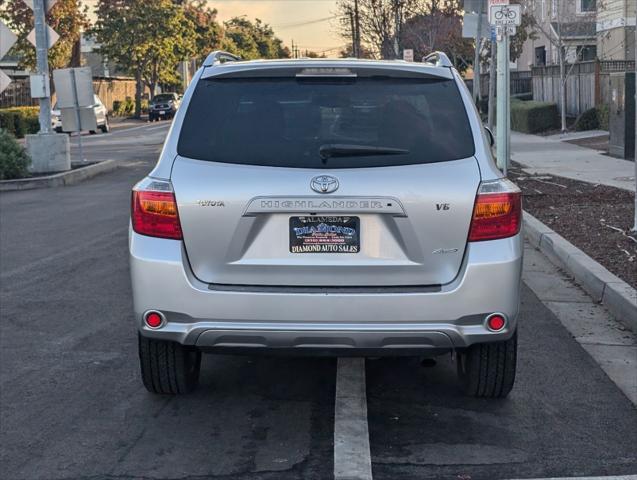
x,y
588,120
14,160
20,121
533,117
126,108
67,17
602,116
146,38
252,40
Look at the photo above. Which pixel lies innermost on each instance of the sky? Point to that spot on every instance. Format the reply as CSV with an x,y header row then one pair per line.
x,y
288,19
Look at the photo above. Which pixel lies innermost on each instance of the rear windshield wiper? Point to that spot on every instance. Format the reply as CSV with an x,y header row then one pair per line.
x,y
329,150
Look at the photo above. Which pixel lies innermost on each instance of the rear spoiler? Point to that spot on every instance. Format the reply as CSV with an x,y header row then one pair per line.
x,y
219,56
437,59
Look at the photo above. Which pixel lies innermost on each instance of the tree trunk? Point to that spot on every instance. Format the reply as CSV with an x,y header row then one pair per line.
x,y
562,88
139,88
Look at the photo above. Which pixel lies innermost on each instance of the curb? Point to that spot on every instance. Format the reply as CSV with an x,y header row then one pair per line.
x,y
59,179
606,288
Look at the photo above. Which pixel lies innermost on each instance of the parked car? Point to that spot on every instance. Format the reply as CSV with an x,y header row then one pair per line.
x,y
337,207
164,105
101,115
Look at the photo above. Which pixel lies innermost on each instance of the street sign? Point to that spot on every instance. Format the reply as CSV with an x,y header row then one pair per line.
x,y
76,92
39,85
4,81
408,55
86,117
49,4
7,39
52,36
472,6
498,2
470,26
509,30
501,15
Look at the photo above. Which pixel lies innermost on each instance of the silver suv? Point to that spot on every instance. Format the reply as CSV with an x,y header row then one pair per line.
x,y
339,207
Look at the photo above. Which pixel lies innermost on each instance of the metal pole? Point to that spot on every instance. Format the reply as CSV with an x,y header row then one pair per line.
x,y
357,29
42,60
635,154
492,86
77,115
502,143
476,58
507,98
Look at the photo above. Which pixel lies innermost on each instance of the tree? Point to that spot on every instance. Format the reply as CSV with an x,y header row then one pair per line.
x,y
252,40
380,23
67,17
147,38
436,26
209,35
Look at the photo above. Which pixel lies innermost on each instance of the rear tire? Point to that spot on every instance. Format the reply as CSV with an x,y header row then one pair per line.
x,y
487,370
168,368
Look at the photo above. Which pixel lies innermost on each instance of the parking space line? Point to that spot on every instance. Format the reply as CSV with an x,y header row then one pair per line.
x,y
352,459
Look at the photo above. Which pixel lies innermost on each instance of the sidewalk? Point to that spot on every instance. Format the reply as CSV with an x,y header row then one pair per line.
x,y
546,155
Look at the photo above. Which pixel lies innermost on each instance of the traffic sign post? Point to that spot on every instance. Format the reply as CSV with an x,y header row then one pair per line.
x,y
505,18
50,152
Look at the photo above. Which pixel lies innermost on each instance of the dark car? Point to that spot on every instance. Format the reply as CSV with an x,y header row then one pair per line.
x,y
164,105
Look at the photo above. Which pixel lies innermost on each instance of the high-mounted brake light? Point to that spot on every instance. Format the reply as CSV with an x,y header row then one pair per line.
x,y
154,212
497,212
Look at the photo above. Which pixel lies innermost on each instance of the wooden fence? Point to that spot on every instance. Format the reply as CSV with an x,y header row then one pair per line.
x,y
520,83
587,84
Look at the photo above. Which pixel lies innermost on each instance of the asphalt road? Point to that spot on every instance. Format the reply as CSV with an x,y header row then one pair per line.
x,y
73,406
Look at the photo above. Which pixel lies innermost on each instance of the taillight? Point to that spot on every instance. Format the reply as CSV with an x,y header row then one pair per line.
x,y
497,212
154,212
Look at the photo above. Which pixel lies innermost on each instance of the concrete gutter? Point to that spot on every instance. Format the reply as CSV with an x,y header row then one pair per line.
x,y
59,179
604,287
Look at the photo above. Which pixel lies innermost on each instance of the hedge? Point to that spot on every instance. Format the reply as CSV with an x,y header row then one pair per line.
x,y
533,117
588,120
14,160
20,121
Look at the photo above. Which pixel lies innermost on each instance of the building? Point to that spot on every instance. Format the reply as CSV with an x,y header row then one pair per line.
x,y
571,20
616,30
589,29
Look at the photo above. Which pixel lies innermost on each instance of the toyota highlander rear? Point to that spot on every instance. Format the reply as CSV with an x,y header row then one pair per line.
x,y
329,207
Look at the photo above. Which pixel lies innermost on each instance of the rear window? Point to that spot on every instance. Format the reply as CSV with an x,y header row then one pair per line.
x,y
326,123
163,98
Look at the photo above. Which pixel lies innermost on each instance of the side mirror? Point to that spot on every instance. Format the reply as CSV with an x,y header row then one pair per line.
x,y
491,137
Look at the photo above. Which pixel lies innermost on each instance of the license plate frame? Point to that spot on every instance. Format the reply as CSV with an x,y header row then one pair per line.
x,y
324,234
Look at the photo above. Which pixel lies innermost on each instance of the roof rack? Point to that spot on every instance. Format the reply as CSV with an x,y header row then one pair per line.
x,y
439,59
219,56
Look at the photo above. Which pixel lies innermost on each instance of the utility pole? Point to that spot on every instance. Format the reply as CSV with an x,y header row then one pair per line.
x,y
476,58
357,31
42,60
492,82
352,25
396,28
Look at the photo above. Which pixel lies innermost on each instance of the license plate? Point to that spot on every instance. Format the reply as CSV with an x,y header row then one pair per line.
x,y
324,234
162,112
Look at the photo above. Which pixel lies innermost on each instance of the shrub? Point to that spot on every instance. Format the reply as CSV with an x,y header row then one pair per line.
x,y
20,121
533,117
588,120
14,160
602,116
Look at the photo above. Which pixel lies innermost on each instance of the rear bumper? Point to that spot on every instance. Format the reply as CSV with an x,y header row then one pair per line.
x,y
273,319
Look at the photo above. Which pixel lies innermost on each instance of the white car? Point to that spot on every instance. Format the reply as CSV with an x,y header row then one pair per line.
x,y
101,114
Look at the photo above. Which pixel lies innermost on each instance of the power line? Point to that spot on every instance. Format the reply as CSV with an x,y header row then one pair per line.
x,y
301,24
